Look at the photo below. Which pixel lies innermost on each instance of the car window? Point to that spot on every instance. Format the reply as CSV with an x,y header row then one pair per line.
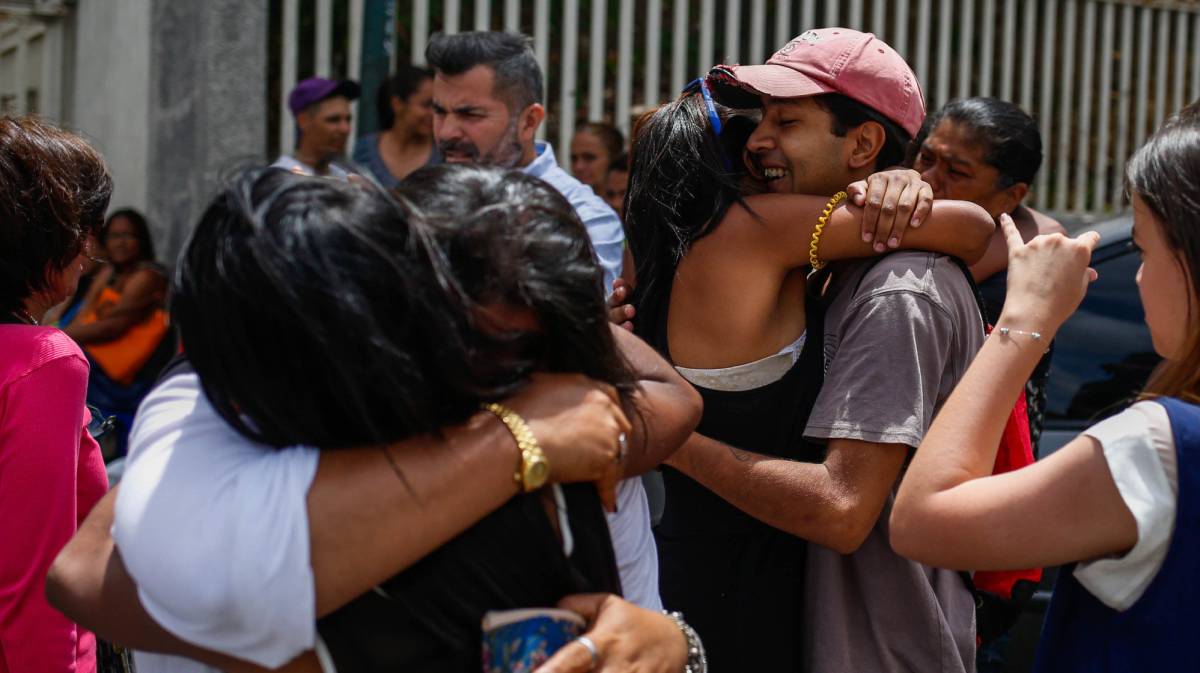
x,y
1103,354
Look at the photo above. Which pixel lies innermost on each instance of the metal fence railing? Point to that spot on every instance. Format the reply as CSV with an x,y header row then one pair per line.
x,y
1099,75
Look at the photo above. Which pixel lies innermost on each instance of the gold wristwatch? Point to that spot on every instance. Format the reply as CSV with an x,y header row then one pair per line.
x,y
533,469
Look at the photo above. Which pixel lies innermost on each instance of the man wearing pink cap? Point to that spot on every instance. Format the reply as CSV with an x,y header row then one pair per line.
x,y
899,331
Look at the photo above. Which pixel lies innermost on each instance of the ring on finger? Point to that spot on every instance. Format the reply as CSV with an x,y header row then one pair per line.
x,y
622,447
591,648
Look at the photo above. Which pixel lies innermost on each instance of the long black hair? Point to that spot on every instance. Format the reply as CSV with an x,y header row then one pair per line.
x,y
326,313
514,241
683,179
141,230
1163,173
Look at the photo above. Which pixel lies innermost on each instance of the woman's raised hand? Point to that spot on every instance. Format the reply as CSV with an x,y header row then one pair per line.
x,y
627,639
578,423
1047,278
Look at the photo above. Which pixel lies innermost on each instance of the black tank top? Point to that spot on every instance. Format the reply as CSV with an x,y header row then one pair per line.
x,y
427,618
739,581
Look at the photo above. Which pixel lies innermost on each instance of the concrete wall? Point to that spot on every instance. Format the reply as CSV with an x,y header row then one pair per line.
x,y
208,70
109,89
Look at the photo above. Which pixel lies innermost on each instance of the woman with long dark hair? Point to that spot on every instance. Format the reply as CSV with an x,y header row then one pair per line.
x,y
1117,505
721,293
403,318
54,189
404,143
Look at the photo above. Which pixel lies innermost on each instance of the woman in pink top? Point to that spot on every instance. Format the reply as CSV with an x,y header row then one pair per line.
x,y
54,189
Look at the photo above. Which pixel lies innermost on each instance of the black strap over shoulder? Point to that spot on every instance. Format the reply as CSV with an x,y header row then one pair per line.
x,y
176,366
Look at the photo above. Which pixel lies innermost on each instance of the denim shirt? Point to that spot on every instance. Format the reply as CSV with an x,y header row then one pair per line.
x,y
603,225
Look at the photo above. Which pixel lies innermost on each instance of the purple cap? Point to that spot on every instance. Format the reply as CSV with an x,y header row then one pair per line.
x,y
316,89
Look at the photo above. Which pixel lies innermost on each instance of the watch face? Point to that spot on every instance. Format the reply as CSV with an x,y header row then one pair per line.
x,y
536,472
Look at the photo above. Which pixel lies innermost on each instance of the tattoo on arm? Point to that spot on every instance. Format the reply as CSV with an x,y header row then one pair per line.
x,y
739,455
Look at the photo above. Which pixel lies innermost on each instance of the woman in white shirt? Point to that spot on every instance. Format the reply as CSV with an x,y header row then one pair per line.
x,y
1118,501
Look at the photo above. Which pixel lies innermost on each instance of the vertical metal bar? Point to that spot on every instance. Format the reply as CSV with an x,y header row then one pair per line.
x,y
541,45
758,31
987,48
483,14
945,31
783,23
1103,108
324,31
512,16
733,32
420,34
708,12
924,18
900,43
1162,38
354,52
879,18
679,44
1008,50
1180,61
450,16
653,52
287,75
1142,97
1195,89
808,15
856,15
831,12
1124,97
567,107
1049,21
596,65
1066,85
1083,126
1028,32
966,48
624,65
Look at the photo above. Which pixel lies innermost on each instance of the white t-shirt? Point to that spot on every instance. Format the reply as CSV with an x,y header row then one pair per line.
x,y
214,530
1140,449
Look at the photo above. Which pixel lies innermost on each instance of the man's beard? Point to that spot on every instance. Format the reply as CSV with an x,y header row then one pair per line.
x,y
506,154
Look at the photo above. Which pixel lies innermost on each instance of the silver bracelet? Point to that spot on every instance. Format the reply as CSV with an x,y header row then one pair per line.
x,y
697,661
1007,331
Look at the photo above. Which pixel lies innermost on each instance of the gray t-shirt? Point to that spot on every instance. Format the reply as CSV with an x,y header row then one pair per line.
x,y
894,349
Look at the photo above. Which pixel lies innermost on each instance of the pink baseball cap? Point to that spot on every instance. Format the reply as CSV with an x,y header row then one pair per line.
x,y
835,60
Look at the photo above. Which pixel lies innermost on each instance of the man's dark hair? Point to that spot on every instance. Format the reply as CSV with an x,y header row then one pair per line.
x,y
371,304
848,114
402,84
141,230
518,75
54,189
1011,140
619,163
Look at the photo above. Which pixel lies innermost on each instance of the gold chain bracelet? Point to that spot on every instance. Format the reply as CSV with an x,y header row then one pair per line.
x,y
813,260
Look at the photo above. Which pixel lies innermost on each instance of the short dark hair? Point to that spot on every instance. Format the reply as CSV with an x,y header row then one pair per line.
x,y
848,114
54,189
402,84
141,230
608,135
619,163
1010,137
510,55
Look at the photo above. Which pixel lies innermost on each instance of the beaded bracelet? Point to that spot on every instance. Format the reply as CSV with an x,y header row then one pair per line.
x,y
697,660
813,260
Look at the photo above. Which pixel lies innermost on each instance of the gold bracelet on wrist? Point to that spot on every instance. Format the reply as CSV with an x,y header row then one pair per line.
x,y
813,259
533,469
